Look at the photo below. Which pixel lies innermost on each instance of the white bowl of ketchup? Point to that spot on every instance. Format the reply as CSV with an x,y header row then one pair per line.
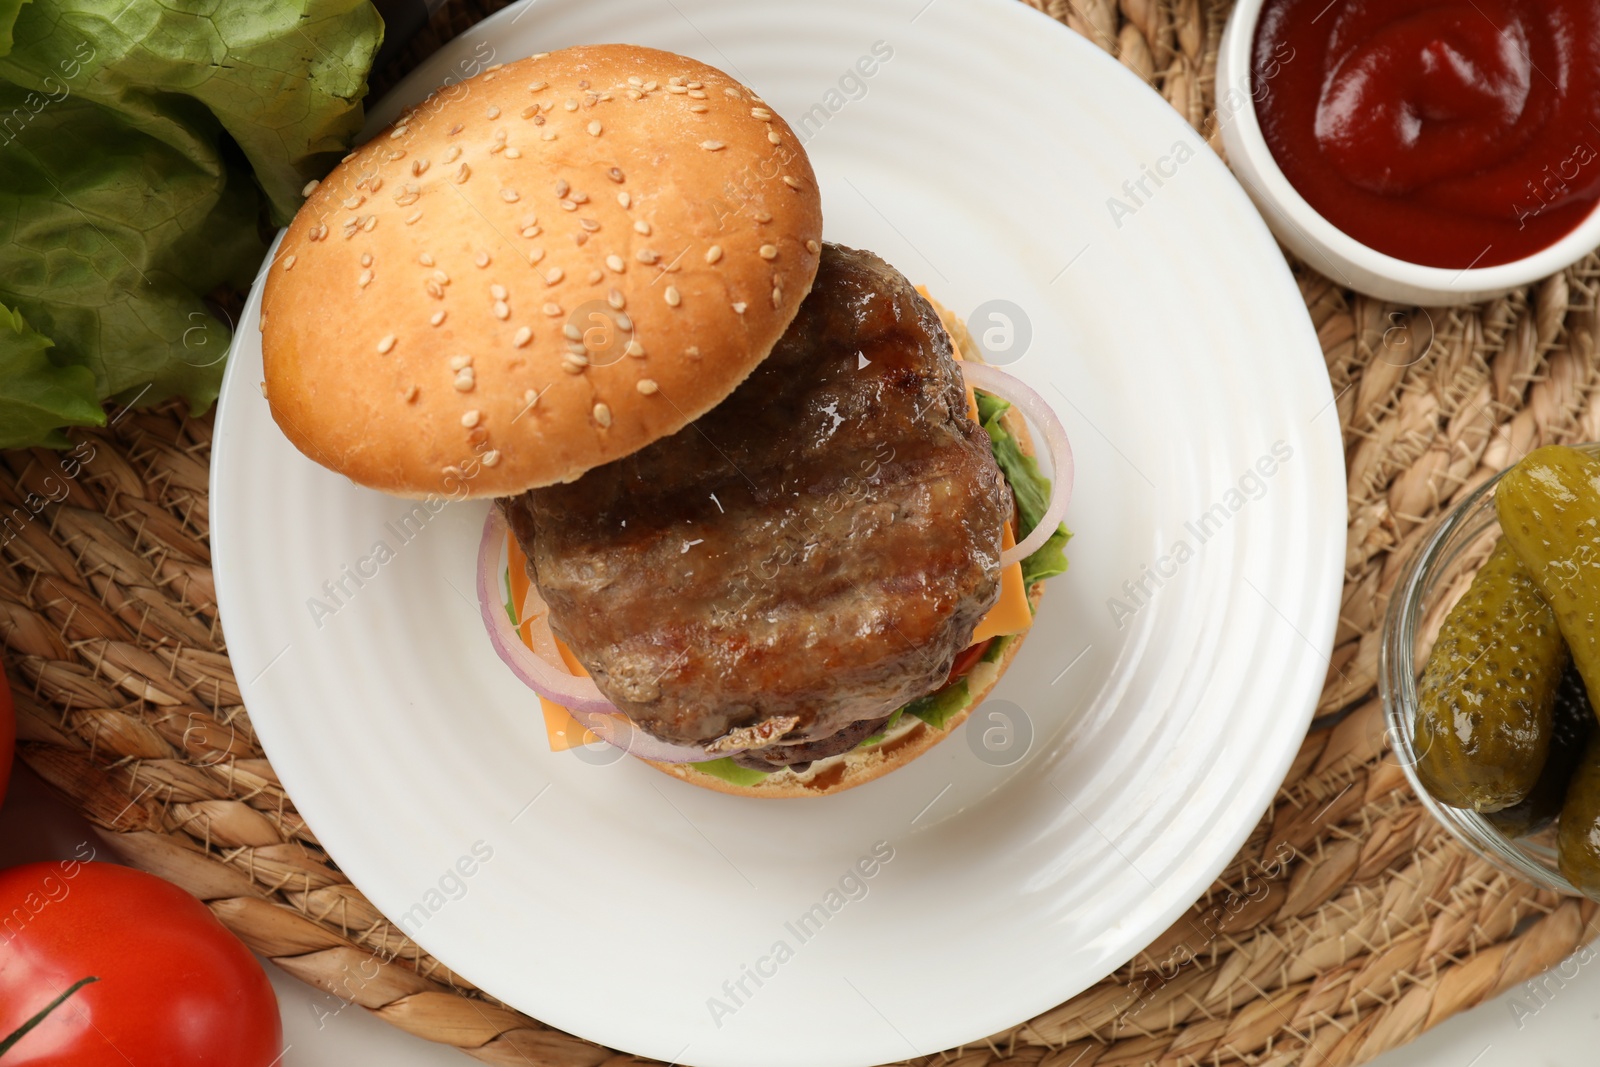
x,y
1422,152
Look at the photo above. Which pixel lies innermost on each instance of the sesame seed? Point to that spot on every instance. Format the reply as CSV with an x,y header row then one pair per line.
x,y
481,259
594,128
493,112
624,323
768,251
530,398
697,94
536,255
502,310
353,202
636,81
523,336
646,386
712,146
465,380
368,223
457,128
288,262
509,196
672,296
677,88
573,363
602,415
386,344
366,259
762,216
441,277
739,306
570,105
437,318
491,458
538,56
534,87
624,199
615,174
554,276
580,198
698,109
469,419
645,255
377,183
562,188
418,166
595,274
772,137
634,94
552,310
460,362
569,205
531,231
410,394
398,131
713,253
577,348
571,332
590,225
425,259
813,247
642,227
365,279
498,292
435,290
463,174
398,153
309,187
777,296
453,153
413,217
731,91
634,349
791,181
512,153
616,299
761,113
530,111
613,261
547,135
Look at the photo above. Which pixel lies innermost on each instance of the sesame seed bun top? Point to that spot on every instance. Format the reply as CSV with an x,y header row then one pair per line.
x,y
536,271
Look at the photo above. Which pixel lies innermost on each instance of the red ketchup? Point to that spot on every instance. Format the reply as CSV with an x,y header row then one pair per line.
x,y
1450,133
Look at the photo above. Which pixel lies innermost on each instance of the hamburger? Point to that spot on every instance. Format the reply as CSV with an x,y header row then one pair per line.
x,y
758,521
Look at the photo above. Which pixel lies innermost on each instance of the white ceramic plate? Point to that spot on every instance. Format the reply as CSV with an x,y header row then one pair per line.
x,y
608,900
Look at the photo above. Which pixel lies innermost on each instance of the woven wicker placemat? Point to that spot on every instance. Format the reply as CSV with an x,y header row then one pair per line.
x,y
1347,925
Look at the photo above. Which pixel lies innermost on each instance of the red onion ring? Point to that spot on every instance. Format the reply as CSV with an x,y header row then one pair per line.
x,y
1033,406
550,678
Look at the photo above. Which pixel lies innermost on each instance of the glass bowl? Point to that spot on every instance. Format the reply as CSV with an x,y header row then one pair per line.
x,y
1433,579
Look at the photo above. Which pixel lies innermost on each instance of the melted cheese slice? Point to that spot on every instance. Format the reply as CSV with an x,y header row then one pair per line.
x,y
1010,615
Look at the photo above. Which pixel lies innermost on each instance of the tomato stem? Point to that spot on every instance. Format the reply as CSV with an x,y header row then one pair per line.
x,y
20,1032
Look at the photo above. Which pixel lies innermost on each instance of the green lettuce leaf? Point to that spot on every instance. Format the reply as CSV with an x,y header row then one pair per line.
x,y
1031,488
142,145
36,396
730,771
9,10
936,708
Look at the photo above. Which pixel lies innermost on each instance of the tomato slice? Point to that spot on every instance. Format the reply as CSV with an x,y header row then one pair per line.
x,y
967,659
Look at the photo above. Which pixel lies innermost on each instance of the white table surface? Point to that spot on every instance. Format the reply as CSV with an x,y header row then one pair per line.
x,y
1556,1024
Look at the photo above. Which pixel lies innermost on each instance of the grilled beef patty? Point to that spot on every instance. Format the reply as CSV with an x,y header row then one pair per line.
x,y
808,556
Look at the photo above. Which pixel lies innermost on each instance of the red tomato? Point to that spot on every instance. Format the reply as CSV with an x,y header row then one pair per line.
x,y
173,987
8,732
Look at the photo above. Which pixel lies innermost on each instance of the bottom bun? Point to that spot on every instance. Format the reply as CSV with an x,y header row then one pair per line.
x,y
910,739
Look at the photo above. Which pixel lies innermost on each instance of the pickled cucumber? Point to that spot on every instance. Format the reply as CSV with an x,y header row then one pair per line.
x,y
1549,506
1572,723
1484,703
1578,835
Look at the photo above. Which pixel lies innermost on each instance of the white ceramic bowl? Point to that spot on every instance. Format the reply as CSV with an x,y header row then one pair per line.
x,y
1327,248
